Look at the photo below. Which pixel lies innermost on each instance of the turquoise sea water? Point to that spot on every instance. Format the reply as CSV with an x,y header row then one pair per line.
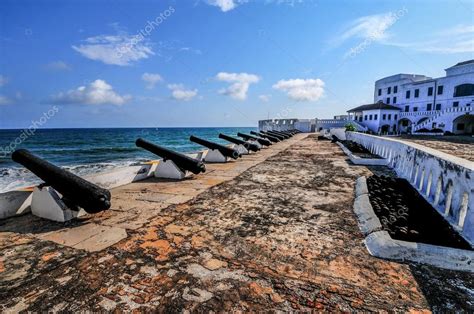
x,y
85,151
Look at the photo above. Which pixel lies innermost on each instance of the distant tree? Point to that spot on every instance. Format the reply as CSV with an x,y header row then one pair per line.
x,y
350,127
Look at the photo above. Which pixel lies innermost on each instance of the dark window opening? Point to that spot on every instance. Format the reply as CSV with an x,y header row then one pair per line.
x,y
456,104
415,109
395,117
389,90
464,90
384,117
376,117
429,106
395,89
380,91
438,106
388,100
407,95
440,90
417,93
365,117
460,127
394,100
407,108
430,91
390,117
370,117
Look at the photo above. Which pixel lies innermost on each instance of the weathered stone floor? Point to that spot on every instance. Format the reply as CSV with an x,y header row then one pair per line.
x,y
273,232
460,146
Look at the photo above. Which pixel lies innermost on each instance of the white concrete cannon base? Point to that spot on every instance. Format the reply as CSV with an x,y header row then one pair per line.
x,y
46,203
241,149
363,161
168,169
379,242
214,156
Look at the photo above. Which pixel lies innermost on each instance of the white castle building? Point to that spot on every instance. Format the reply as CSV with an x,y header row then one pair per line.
x,y
407,103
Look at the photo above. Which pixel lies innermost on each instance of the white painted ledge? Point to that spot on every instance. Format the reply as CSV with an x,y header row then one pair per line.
x,y
363,161
379,243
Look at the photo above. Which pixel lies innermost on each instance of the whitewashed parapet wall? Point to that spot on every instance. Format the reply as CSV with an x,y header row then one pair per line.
x,y
445,181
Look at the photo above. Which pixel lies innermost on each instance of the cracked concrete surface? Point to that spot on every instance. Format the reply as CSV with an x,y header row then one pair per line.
x,y
274,231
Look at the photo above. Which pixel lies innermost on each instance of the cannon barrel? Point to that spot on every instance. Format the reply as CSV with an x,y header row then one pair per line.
x,y
74,189
224,150
279,134
279,137
273,139
238,141
285,133
258,139
181,161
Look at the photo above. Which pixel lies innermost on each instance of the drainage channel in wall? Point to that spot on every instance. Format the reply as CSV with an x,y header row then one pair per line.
x,y
407,216
400,224
359,155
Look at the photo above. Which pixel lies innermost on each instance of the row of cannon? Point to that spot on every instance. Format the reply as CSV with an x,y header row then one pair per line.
x,y
76,192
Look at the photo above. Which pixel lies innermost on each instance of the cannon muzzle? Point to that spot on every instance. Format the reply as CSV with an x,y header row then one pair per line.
x,y
238,141
254,138
180,160
224,150
271,138
74,189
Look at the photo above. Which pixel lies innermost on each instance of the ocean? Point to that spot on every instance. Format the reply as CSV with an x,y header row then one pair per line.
x,y
86,151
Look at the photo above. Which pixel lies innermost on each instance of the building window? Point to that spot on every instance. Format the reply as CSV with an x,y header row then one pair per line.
x,y
389,116
464,90
415,109
455,104
407,108
440,90
395,89
438,106
430,91
384,116
460,127
388,100
370,117
376,117
407,95
380,91
394,100
389,90
429,107
395,117
417,93
365,117
360,119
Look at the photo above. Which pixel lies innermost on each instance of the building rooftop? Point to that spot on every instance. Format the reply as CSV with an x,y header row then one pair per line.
x,y
377,105
463,63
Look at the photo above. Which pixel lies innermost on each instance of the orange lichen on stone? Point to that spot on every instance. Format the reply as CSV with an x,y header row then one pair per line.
x,y
161,247
49,256
2,267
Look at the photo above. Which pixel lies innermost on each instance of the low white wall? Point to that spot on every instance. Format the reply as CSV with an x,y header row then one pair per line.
x,y
445,181
340,133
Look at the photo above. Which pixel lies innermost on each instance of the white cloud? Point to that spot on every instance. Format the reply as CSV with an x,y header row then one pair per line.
x,y
301,89
3,80
458,39
180,93
58,66
121,49
264,98
224,5
151,79
240,86
371,27
96,93
5,100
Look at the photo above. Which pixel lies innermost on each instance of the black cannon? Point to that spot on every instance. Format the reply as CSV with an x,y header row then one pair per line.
x,y
279,134
180,160
279,137
247,137
273,139
287,133
75,190
224,150
238,141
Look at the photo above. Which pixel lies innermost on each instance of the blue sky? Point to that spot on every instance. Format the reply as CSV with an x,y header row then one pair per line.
x,y
214,62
